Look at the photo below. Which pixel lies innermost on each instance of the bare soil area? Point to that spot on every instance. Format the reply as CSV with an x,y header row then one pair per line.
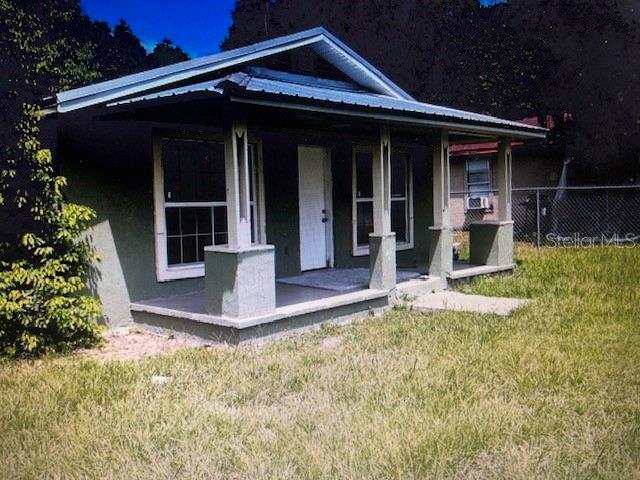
x,y
134,343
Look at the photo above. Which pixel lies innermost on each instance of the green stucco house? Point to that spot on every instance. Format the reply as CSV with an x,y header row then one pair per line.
x,y
271,187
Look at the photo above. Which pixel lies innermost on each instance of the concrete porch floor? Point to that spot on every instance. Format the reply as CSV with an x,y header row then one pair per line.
x,y
286,293
297,307
186,313
194,302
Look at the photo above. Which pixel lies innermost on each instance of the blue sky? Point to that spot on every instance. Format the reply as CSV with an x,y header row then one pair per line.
x,y
197,26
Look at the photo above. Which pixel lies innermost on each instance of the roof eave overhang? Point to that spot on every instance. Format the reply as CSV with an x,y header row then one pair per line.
x,y
455,126
458,126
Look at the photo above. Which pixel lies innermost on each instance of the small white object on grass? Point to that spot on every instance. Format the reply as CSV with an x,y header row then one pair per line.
x,y
160,379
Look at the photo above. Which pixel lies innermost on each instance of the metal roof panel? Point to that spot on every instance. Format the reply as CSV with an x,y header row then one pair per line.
x,y
311,88
258,84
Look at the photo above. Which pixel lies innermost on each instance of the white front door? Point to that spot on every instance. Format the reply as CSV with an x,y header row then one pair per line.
x,y
314,193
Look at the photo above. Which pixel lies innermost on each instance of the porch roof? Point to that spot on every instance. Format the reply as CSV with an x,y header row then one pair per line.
x,y
282,89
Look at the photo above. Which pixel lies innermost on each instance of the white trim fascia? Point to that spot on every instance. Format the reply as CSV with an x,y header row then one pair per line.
x,y
389,87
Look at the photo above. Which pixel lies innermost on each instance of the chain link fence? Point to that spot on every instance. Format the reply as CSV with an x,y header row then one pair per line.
x,y
559,216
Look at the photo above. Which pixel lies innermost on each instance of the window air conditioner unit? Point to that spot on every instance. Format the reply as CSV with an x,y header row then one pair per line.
x,y
478,203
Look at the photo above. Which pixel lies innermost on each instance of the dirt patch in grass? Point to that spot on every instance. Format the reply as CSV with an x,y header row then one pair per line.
x,y
134,343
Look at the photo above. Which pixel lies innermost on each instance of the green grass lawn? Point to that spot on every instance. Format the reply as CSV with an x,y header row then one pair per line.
x,y
551,392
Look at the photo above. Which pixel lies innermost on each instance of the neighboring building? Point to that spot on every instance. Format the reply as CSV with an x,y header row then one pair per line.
x,y
473,174
270,187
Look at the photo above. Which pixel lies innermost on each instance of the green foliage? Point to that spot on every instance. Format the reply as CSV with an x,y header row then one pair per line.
x,y
45,47
44,303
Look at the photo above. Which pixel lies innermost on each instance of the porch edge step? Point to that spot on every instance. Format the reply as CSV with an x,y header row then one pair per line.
x,y
280,313
420,286
479,270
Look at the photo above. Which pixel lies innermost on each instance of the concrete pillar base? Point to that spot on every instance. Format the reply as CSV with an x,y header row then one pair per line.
x,y
491,243
240,283
440,251
382,261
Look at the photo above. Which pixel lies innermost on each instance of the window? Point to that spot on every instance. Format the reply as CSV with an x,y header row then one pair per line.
x,y
363,194
401,195
400,209
478,177
191,208
478,184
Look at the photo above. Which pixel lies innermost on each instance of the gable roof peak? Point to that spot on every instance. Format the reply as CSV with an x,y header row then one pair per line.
x,y
318,39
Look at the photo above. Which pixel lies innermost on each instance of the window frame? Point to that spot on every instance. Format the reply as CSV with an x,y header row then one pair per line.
x,y
488,193
164,271
363,250
408,198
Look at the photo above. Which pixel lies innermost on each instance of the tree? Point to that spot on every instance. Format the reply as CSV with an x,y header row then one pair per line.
x,y
46,47
596,50
166,53
443,51
575,59
43,265
118,52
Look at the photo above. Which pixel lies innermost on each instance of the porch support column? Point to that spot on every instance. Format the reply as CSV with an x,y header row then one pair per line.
x,y
236,167
382,242
491,242
504,180
441,234
239,277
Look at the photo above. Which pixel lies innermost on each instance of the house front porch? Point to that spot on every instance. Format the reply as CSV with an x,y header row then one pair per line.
x,y
302,302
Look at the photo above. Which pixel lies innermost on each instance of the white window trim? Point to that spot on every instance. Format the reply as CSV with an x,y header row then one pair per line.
x,y
363,250
489,192
164,272
407,245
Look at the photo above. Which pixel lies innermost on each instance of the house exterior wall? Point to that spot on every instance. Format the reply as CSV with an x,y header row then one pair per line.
x,y
529,171
109,166
281,191
110,169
